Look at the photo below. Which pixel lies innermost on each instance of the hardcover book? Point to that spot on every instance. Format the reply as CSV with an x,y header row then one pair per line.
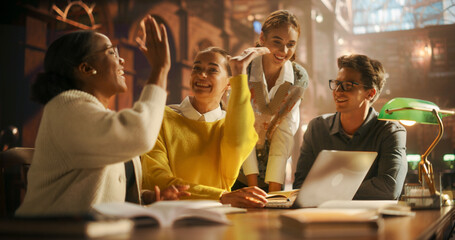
x,y
329,223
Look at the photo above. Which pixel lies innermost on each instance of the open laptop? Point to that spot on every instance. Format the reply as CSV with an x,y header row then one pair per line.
x,y
335,175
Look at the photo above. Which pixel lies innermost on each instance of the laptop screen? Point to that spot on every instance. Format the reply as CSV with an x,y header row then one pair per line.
x,y
335,175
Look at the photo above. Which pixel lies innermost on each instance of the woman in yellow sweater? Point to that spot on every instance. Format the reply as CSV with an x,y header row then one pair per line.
x,y
199,144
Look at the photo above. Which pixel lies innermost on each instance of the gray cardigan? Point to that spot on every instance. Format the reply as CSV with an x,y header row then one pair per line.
x,y
386,176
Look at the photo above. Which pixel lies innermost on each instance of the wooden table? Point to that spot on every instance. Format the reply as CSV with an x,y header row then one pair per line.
x,y
261,224
264,224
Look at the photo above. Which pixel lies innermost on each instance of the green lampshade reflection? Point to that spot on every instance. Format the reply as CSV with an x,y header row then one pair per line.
x,y
422,115
413,157
413,161
448,157
449,160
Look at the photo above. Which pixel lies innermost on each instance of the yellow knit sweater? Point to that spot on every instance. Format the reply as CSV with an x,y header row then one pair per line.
x,y
205,155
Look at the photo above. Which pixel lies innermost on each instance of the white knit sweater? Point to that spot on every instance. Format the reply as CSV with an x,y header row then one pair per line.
x,y
81,148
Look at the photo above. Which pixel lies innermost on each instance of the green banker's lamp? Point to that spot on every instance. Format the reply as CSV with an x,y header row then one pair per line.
x,y
409,110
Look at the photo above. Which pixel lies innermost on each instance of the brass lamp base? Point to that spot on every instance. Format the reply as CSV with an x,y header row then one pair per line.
x,y
424,195
418,197
446,200
427,202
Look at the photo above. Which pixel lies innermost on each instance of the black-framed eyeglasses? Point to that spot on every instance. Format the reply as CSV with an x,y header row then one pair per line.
x,y
345,86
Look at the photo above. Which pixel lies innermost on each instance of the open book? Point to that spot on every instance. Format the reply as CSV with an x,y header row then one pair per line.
x,y
279,198
283,194
168,213
328,223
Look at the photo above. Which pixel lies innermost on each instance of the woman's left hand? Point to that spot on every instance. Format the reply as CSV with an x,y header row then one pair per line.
x,y
170,193
239,63
174,192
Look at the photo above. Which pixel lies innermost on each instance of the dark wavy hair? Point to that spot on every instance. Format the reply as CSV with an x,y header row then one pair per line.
x,y
277,19
373,74
62,58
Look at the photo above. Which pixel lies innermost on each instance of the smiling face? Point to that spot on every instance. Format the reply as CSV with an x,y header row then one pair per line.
x,y
357,100
281,41
109,78
209,77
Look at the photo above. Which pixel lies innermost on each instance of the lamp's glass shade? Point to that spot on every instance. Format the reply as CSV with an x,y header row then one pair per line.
x,y
422,115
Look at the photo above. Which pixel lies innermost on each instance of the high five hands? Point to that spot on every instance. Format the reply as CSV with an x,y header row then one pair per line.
x,y
239,63
155,46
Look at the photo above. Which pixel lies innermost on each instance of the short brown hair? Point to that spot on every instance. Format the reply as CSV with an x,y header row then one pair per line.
x,y
373,74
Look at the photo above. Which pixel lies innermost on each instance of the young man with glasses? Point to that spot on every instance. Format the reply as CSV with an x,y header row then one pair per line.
x,y
355,127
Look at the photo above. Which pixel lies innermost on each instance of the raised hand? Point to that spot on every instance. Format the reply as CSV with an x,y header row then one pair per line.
x,y
248,197
155,46
239,63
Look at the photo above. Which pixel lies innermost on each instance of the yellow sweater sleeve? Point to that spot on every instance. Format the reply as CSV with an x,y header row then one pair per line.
x,y
239,136
157,172
179,142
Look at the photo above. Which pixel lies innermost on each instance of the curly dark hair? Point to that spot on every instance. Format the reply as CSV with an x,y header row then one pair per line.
x,y
373,74
60,61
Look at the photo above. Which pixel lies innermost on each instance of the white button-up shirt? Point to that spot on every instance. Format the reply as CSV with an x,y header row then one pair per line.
x,y
186,109
282,141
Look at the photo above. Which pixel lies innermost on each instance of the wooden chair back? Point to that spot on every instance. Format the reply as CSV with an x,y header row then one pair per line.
x,y
14,165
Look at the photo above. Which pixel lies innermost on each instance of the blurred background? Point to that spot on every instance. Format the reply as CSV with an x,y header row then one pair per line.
x,y
414,39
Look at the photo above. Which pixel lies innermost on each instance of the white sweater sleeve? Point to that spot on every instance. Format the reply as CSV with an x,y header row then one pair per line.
x,y
91,136
281,146
250,166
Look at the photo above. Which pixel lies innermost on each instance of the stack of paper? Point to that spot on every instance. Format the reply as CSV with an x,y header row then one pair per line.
x,y
342,218
382,207
328,223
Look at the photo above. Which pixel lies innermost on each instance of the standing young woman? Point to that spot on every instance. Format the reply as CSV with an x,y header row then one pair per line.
x,y
202,145
277,84
82,146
